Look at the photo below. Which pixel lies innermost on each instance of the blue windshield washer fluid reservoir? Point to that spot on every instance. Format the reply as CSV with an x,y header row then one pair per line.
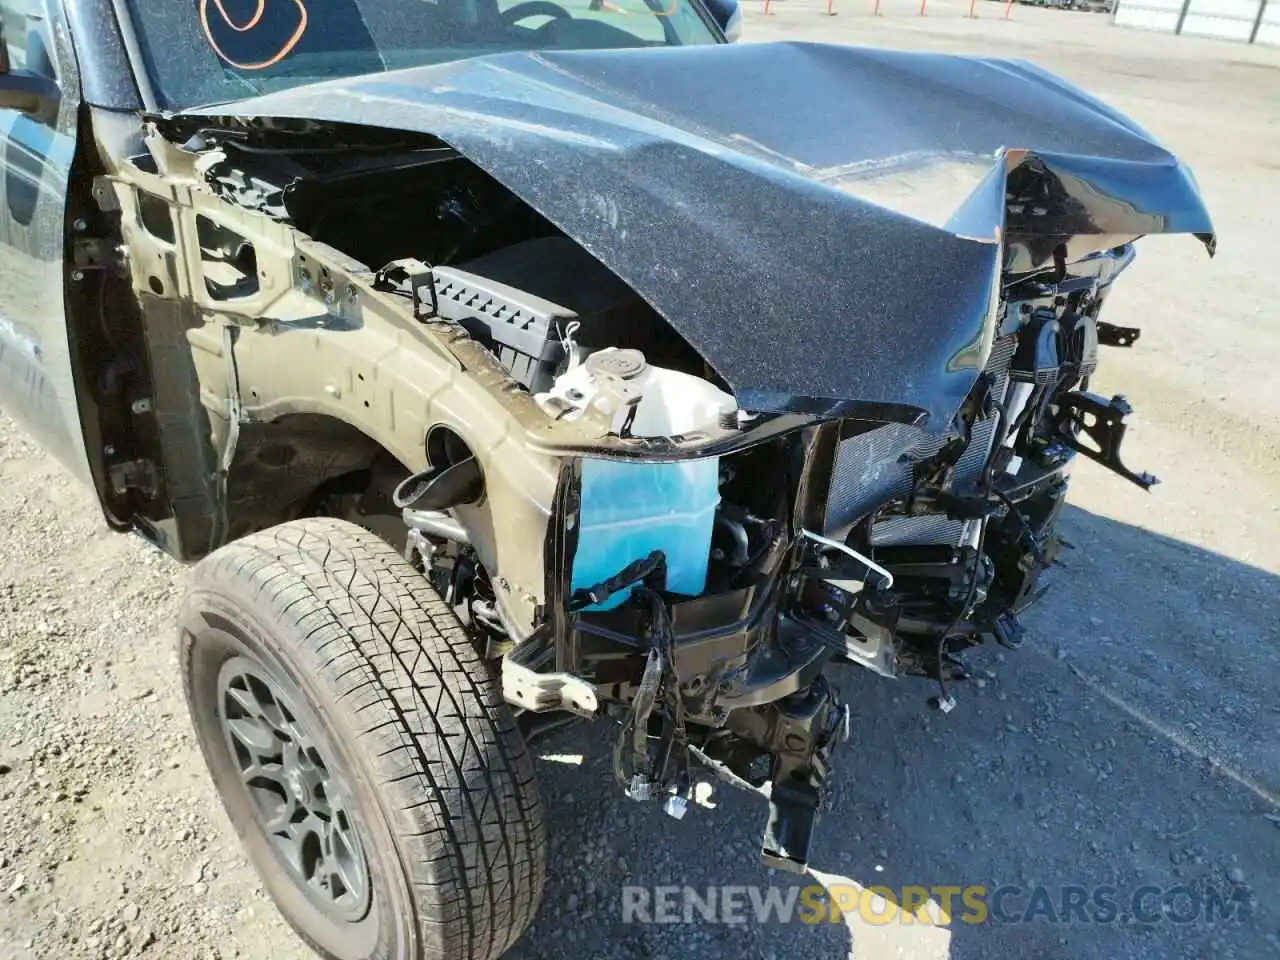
x,y
627,510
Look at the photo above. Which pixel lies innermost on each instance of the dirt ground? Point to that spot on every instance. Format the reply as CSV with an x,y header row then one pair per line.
x,y
1133,742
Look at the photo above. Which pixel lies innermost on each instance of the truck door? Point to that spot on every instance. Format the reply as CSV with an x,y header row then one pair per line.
x,y
38,113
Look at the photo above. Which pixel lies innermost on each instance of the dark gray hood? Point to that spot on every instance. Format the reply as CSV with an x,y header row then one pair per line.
x,y
826,225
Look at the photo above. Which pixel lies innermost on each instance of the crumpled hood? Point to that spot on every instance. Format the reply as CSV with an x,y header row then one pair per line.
x,y
825,224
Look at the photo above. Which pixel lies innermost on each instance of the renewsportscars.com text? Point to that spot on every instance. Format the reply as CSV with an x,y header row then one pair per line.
x,y
939,905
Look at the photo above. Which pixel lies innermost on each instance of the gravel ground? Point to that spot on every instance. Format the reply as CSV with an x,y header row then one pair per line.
x,y
1133,741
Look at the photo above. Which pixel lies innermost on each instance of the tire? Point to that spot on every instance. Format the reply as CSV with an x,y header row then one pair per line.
x,y
387,800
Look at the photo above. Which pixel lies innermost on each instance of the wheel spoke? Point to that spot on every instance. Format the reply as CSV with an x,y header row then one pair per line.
x,y
341,862
289,756
321,807
348,867
281,820
245,700
300,804
266,771
289,841
274,715
253,733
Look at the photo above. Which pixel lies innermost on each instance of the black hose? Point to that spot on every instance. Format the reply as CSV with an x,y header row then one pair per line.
x,y
1026,528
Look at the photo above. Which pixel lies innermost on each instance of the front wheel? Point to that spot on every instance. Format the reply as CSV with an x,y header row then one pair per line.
x,y
361,748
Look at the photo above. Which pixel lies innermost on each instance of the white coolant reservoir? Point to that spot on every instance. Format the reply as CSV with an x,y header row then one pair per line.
x,y
620,390
630,509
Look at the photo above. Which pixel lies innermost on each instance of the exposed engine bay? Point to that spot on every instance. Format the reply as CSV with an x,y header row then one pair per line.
x,y
851,542
699,601
627,523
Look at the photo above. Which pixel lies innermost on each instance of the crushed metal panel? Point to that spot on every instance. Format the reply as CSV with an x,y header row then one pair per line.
x,y
723,184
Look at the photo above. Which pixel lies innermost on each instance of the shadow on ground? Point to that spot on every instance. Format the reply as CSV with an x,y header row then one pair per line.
x,y
1129,745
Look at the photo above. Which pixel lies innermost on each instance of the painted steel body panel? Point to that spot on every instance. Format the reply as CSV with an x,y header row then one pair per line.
x,y
37,381
826,225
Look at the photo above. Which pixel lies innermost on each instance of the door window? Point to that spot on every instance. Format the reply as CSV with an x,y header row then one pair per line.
x,y
27,43
14,24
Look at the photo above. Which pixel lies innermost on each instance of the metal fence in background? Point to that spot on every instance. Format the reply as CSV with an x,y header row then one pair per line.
x,y
1253,21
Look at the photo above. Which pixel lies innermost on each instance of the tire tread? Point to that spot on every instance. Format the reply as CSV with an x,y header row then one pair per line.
x,y
453,774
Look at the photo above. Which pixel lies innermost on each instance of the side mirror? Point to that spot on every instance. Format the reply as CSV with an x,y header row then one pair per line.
x,y
29,92
728,15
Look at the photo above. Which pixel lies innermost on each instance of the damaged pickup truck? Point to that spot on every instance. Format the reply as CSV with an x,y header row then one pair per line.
x,y
511,363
